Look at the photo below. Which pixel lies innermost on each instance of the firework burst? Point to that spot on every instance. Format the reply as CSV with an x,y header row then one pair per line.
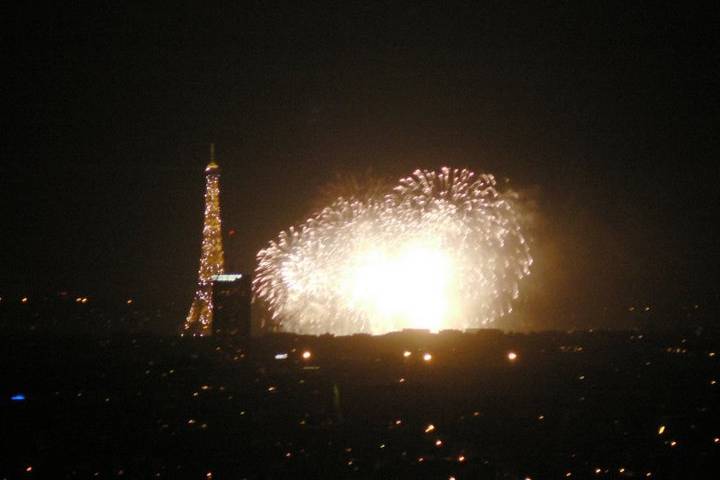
x,y
441,250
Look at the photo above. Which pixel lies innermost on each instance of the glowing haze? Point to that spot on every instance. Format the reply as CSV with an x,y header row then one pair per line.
x,y
442,250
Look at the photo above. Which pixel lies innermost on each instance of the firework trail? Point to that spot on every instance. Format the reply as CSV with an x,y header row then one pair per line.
x,y
441,250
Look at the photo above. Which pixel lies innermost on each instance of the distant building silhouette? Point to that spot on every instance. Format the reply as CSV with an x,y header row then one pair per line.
x,y
231,295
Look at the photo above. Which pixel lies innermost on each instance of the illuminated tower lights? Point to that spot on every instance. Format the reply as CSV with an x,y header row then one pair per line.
x,y
200,317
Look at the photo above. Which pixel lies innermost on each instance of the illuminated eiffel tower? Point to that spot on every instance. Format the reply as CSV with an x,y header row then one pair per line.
x,y
200,317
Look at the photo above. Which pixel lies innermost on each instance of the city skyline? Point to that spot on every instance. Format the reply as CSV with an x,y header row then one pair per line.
x,y
600,114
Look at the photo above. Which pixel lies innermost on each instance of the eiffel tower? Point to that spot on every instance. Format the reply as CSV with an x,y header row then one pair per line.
x,y
200,317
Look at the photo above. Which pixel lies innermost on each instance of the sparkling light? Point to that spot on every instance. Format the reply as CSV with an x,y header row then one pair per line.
x,y
512,356
427,357
442,250
199,319
306,355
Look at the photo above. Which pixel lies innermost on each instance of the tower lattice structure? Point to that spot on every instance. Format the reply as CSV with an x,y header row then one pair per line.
x,y
200,317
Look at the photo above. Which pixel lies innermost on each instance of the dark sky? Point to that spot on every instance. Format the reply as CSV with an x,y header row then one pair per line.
x,y
606,113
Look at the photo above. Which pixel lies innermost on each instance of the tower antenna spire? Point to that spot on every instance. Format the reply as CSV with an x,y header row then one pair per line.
x,y
212,152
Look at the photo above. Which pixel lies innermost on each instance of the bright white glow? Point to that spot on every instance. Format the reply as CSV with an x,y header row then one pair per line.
x,y
427,357
306,354
226,277
512,356
407,353
281,356
442,250
408,288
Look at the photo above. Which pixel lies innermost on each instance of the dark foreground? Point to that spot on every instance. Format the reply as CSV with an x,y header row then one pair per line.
x,y
571,405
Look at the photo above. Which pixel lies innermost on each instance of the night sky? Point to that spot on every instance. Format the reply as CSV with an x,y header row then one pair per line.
x,y
604,116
